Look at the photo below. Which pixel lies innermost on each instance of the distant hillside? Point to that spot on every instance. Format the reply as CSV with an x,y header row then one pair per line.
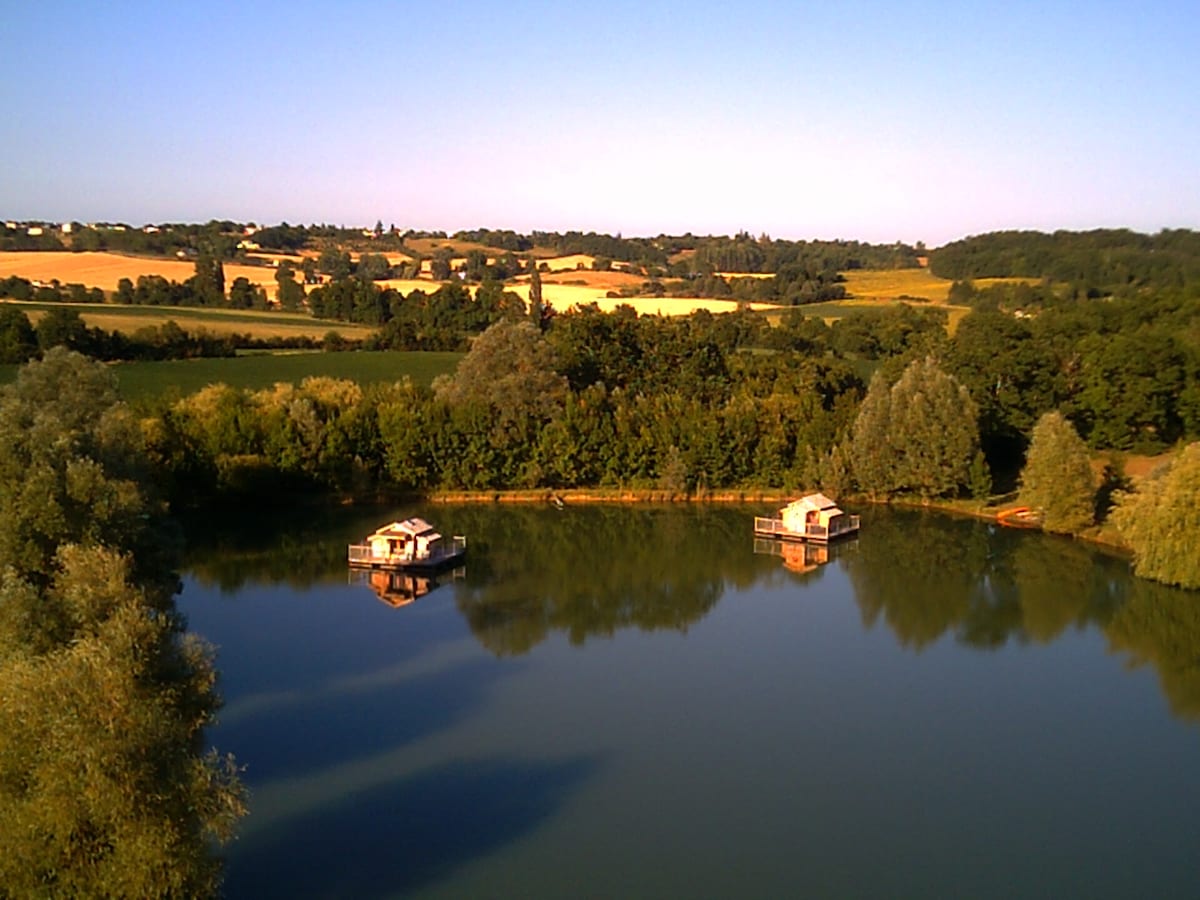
x,y
1106,259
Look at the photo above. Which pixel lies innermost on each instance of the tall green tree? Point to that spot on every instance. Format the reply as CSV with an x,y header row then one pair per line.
x,y
1057,478
919,437
208,282
289,292
537,309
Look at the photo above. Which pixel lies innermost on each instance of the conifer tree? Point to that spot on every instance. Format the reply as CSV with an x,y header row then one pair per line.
x,y
1057,478
536,307
919,436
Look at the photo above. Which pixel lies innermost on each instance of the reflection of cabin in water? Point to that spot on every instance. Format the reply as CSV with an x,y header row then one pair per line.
x,y
400,587
803,557
412,543
811,518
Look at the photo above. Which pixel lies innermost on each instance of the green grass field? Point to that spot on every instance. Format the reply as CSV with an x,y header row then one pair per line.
x,y
148,380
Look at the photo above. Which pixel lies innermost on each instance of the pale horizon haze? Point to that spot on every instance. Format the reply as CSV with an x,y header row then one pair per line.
x,y
859,121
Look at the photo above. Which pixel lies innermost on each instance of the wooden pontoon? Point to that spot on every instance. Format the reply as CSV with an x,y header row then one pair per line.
x,y
411,544
811,518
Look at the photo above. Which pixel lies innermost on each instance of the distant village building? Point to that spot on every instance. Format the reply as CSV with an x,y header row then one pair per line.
x,y
35,231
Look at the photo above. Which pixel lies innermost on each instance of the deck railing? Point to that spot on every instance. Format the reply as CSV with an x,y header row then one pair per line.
x,y
360,553
448,548
840,525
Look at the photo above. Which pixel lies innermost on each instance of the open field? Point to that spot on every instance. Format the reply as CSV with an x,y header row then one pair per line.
x,y
408,285
143,380
275,259
256,323
832,310
104,270
609,281
563,296
890,284
429,246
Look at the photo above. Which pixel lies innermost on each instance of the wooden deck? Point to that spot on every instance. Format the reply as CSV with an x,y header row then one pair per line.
x,y
360,555
774,528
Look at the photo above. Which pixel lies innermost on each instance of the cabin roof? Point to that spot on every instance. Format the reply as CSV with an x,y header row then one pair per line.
x,y
813,501
408,528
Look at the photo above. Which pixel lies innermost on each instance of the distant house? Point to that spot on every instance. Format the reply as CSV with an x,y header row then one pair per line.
x,y
35,231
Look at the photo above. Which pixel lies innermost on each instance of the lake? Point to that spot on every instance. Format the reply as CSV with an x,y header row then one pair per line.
x,y
632,702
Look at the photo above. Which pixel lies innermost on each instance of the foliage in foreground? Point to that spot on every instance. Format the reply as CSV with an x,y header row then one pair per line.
x,y
105,787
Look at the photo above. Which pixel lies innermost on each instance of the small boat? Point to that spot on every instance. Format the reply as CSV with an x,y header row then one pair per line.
x,y
411,544
1019,517
811,518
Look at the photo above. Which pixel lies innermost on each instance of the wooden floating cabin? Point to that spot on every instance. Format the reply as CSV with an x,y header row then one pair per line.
x,y
811,518
411,544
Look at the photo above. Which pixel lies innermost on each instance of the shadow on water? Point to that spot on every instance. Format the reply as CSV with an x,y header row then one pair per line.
x,y
408,834
379,709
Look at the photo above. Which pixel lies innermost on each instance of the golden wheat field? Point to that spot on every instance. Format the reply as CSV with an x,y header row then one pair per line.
x,y
563,296
890,284
104,270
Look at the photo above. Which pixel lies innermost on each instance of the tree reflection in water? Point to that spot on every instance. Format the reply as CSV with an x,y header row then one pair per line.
x,y
590,571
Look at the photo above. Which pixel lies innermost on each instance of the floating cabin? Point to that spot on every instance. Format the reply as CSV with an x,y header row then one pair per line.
x,y
811,518
411,544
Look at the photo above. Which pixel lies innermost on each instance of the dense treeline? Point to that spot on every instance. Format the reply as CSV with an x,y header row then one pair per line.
x,y
1104,260
20,239
718,401
106,786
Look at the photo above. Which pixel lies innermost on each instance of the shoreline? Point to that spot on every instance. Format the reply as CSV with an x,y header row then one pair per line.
x,y
1097,536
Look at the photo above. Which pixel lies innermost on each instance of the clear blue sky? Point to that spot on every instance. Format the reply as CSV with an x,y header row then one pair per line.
x,y
869,120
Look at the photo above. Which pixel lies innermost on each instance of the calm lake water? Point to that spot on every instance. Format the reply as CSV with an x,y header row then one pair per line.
x,y
632,702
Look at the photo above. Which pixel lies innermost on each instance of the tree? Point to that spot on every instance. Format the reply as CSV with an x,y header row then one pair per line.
x,y
439,266
62,327
373,267
1161,521
18,340
289,292
919,437
537,310
510,367
104,786
335,263
245,295
871,453
1057,478
209,280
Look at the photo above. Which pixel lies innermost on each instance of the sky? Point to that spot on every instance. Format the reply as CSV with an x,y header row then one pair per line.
x,y
860,120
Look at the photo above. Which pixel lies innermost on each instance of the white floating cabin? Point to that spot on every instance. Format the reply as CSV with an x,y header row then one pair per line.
x,y
811,518
412,543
